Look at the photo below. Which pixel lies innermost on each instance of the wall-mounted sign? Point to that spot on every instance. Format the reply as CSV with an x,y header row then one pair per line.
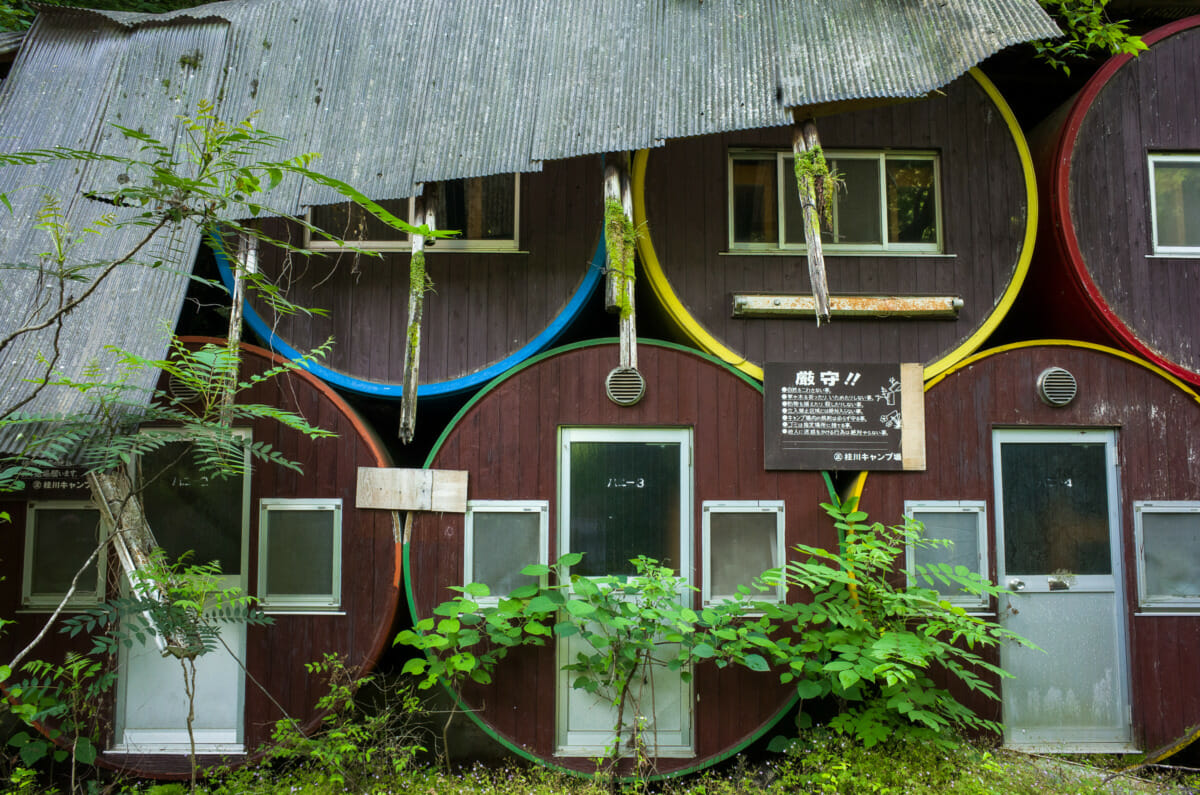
x,y
58,483
844,416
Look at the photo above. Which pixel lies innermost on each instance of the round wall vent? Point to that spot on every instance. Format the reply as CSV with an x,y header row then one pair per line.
x,y
625,386
184,392
1056,386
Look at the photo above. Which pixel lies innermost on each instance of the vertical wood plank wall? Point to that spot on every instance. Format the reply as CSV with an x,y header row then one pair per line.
x,y
984,212
508,442
1158,436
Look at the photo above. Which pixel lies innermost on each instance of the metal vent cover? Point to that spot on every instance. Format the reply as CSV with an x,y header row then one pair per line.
x,y
625,386
184,392
1056,386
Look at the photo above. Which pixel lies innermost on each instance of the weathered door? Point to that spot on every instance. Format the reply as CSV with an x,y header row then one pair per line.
x,y
1058,550
204,518
625,492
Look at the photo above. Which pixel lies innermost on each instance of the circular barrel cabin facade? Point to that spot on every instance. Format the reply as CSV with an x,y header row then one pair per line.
x,y
933,229
1073,480
1121,246
328,575
528,257
555,466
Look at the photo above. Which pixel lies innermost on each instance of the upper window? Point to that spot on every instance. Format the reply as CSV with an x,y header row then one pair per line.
x,y
964,524
741,540
886,202
484,210
191,511
1168,548
503,537
300,554
1175,203
625,492
60,536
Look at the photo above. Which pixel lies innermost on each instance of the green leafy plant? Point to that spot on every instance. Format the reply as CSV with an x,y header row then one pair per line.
x,y
873,643
352,745
64,699
180,605
1087,32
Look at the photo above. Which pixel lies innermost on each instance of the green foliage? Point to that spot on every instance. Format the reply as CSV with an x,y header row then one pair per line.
x,y
1087,32
352,746
620,239
816,182
61,705
873,644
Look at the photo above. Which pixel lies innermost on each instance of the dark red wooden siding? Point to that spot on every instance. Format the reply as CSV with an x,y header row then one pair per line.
x,y
508,443
276,655
1099,197
984,216
483,307
1158,436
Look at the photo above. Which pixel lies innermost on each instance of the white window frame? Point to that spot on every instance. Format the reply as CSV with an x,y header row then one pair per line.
x,y
680,435
971,602
403,242
316,602
232,581
784,180
1152,601
83,597
541,507
708,508
1153,160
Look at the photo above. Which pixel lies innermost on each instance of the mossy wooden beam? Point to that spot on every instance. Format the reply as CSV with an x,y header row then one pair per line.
x,y
815,186
418,283
621,243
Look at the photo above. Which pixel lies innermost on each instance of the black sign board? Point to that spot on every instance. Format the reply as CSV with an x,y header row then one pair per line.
x,y
843,416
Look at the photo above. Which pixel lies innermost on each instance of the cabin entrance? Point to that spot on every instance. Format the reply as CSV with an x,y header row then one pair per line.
x,y
201,518
625,492
1058,550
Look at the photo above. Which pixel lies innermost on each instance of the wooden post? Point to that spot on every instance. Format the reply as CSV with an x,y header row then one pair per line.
x,y
804,140
423,215
246,262
619,287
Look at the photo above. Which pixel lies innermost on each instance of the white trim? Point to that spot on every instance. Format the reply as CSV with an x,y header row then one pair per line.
x,y
708,508
330,599
1153,159
403,242
541,507
783,184
83,596
977,507
1152,602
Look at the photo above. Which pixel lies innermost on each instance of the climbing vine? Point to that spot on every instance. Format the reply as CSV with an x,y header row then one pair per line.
x,y
621,242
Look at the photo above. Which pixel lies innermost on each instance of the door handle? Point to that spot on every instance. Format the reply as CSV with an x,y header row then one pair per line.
x,y
1016,585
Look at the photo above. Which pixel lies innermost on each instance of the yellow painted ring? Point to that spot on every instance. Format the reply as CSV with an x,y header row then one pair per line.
x,y
707,342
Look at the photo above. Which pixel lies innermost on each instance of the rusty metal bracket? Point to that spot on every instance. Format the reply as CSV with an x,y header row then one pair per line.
x,y
925,307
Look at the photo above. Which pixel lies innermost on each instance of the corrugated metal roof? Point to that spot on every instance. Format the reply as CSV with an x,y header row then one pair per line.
x,y
399,92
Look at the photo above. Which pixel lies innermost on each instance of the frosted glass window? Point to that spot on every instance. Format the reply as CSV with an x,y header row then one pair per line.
x,y
1175,195
300,542
484,210
503,537
964,524
59,537
886,201
741,541
1169,553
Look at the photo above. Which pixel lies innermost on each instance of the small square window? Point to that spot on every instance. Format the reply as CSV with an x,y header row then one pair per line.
x,y
964,523
59,538
1168,548
742,539
484,210
503,537
1175,203
300,554
886,202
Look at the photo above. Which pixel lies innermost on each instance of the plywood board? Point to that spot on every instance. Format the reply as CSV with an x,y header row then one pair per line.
x,y
412,489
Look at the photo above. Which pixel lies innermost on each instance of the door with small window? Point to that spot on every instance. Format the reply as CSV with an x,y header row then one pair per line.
x,y
205,517
1058,552
625,492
